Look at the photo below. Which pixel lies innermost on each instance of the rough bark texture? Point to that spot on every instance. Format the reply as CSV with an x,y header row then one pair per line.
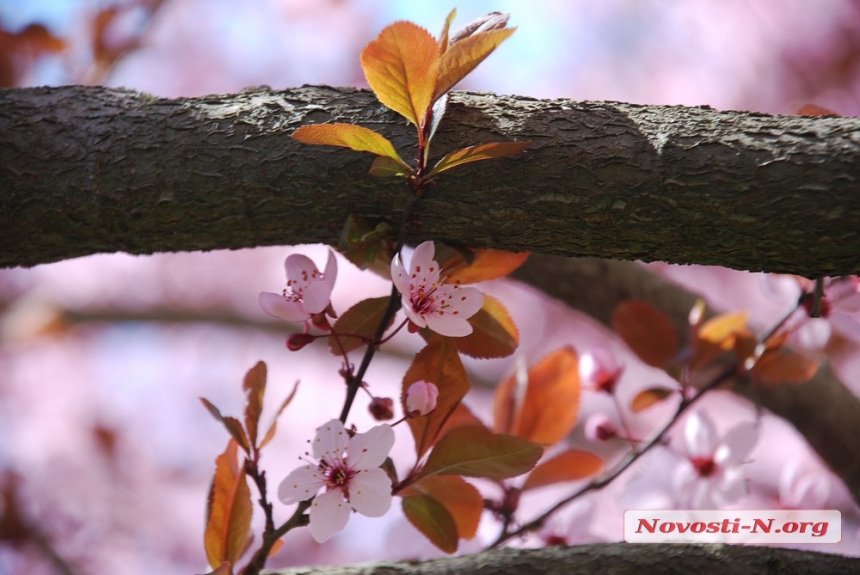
x,y
823,410
90,169
615,559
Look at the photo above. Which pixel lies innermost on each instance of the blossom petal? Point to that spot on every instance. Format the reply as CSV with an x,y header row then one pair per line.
x,y
737,444
731,488
301,270
301,484
850,303
422,257
448,325
329,514
400,278
330,441
413,316
370,492
466,301
368,450
423,269
700,436
317,295
280,307
847,324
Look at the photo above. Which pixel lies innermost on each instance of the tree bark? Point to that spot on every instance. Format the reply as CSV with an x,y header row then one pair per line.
x,y
90,169
614,559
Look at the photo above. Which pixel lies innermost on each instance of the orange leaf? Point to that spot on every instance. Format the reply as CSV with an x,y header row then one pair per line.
x,y
647,331
255,388
270,433
457,495
569,465
401,67
485,265
494,333
462,416
234,428
724,329
433,520
464,55
438,363
361,319
443,37
647,398
815,110
477,153
356,138
276,547
547,409
228,514
777,366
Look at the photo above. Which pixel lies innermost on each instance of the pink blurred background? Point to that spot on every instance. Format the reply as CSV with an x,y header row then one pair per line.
x,y
102,358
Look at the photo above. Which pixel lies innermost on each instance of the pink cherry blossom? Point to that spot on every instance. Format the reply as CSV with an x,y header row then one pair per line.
x,y
710,477
349,470
308,291
600,370
427,302
421,398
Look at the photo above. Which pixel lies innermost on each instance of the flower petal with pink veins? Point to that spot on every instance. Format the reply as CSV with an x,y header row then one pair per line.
x,y
300,485
368,450
330,441
370,492
280,307
329,514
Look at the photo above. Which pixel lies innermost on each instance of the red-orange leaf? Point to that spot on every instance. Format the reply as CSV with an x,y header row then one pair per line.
x,y
402,67
361,319
462,416
270,433
357,138
547,409
229,510
234,428
570,465
255,389
475,451
457,495
440,364
646,398
815,110
485,265
494,333
464,55
647,331
476,154
433,519
777,366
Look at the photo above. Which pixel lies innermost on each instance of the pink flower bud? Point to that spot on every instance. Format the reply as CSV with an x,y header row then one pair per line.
x,y
382,408
598,427
299,340
599,370
421,398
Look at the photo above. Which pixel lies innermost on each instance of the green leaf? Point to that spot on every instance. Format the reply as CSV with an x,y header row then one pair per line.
x,y
476,154
361,319
384,167
368,245
432,519
234,428
475,451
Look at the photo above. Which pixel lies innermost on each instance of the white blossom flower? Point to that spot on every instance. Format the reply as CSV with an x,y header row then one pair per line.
x,y
427,302
349,470
711,477
308,291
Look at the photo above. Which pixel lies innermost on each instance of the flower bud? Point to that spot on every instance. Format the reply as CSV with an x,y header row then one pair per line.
x,y
299,340
421,398
599,370
598,427
382,408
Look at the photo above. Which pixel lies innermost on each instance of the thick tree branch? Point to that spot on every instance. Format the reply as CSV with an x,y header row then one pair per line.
x,y
614,559
823,410
90,169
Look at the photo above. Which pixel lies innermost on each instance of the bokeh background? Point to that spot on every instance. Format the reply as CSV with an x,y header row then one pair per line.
x,y
102,358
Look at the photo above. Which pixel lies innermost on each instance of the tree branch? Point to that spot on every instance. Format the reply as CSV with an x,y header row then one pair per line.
x,y
615,559
90,169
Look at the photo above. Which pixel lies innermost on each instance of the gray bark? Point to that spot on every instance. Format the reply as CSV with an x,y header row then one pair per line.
x,y
90,169
615,559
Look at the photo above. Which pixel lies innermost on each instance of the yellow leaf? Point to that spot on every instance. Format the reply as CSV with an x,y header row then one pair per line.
x,y
476,154
401,67
228,519
648,397
357,138
464,55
